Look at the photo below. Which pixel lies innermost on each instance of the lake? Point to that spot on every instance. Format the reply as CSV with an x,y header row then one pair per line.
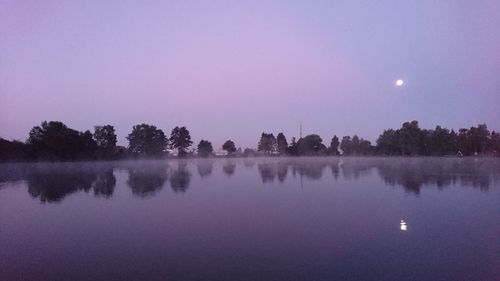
x,y
252,219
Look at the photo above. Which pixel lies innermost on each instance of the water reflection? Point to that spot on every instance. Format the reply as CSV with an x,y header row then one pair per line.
x,y
403,226
105,183
309,169
147,179
180,178
413,174
272,170
205,167
53,182
229,168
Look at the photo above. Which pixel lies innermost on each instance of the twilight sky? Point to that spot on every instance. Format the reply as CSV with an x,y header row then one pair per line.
x,y
232,69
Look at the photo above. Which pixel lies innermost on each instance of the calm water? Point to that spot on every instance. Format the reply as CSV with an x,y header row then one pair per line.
x,y
252,219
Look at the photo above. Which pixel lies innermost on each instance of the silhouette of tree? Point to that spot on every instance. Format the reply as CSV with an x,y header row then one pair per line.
x,y
55,141
205,148
293,148
346,145
147,140
13,151
388,143
229,146
267,143
494,143
105,138
334,145
282,144
180,139
412,139
311,145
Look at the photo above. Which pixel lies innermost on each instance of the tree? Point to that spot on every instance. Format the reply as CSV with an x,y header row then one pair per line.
x,y
205,148
180,139
267,143
346,145
412,139
229,146
293,149
147,140
311,145
478,138
282,144
13,151
494,143
388,143
55,141
334,145
105,138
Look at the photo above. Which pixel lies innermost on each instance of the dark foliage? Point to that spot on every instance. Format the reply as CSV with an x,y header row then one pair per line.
x,y
181,140
147,141
229,146
267,144
54,141
205,148
105,138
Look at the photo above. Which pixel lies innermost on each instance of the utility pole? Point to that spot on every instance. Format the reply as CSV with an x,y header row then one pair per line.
x,y
300,130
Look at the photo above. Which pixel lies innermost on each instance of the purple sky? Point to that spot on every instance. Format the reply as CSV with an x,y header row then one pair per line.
x,y
229,69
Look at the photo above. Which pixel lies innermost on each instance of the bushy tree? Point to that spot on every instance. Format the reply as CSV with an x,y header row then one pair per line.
x,y
13,151
55,141
311,145
334,145
180,139
105,138
267,143
346,145
205,148
293,149
229,146
282,144
147,140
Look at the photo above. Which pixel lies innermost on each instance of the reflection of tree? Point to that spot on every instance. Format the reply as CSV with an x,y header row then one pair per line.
x,y
105,183
249,162
413,174
335,169
146,180
52,183
229,168
356,167
282,171
270,170
267,171
205,167
180,178
10,172
309,168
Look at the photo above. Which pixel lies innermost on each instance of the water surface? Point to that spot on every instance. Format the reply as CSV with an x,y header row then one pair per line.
x,y
252,219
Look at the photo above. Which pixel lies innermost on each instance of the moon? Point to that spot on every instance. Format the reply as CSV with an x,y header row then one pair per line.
x,y
399,82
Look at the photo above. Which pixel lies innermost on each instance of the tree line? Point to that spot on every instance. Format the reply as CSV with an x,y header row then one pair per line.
x,y
54,141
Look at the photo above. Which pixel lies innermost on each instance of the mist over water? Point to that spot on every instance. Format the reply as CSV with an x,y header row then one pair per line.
x,y
251,219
